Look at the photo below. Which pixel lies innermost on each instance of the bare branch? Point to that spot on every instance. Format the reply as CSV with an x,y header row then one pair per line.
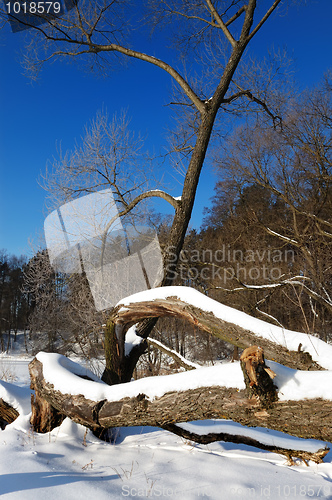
x,y
236,16
156,62
221,23
185,363
255,99
183,431
264,19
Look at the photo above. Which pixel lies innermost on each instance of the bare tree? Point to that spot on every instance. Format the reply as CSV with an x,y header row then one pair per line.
x,y
291,165
215,33
97,33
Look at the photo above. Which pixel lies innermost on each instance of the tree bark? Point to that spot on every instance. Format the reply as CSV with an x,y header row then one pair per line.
x,y
306,419
45,417
207,321
7,414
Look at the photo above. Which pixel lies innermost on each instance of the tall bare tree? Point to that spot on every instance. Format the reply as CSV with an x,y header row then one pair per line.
x,y
216,33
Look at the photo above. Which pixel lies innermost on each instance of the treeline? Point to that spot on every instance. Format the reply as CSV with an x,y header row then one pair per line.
x,y
15,305
54,311
265,246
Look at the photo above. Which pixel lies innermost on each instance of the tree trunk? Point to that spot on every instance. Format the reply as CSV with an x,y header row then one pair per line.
x,y
113,372
207,321
184,210
305,419
44,416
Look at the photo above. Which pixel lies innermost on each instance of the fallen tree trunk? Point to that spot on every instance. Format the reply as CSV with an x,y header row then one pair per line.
x,y
257,405
305,419
131,313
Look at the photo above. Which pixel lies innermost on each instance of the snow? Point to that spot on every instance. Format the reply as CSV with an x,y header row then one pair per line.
x,y
319,350
64,375
292,384
131,340
146,462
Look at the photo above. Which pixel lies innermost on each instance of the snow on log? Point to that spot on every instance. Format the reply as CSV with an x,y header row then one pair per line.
x,y
299,403
14,401
216,392
292,349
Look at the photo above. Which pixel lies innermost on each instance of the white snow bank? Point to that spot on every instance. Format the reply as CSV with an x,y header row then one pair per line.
x,y
17,397
298,384
131,340
319,350
292,384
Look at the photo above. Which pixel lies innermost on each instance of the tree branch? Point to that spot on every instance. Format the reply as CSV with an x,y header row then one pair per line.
x,y
131,311
221,23
143,196
250,96
188,365
180,430
262,21
156,62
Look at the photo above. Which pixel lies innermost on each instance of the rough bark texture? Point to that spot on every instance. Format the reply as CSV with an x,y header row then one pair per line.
x,y
208,322
112,372
307,419
7,414
258,377
44,416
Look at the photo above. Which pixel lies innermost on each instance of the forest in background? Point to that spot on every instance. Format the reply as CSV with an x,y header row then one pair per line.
x,y
264,246
257,251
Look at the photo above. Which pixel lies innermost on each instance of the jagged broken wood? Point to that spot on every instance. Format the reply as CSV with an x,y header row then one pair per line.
x,y
258,377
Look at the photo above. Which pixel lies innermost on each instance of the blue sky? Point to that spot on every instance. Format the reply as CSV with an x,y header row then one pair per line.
x,y
34,118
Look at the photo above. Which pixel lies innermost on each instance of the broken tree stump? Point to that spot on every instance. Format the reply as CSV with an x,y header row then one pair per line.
x,y
258,377
44,416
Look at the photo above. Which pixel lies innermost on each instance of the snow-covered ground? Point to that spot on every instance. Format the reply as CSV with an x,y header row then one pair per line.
x,y
143,462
